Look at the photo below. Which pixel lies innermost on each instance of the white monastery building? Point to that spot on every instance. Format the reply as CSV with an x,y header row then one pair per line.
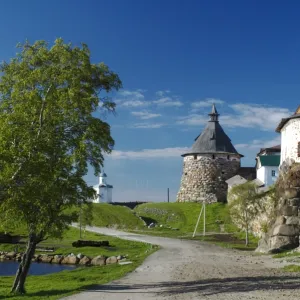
x,y
290,137
267,164
103,189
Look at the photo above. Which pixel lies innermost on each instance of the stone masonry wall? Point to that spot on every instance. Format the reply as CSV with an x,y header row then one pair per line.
x,y
203,177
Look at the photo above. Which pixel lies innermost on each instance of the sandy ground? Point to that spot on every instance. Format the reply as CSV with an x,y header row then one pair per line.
x,y
196,270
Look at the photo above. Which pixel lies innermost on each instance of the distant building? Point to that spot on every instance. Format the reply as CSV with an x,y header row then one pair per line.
x,y
267,164
104,190
290,137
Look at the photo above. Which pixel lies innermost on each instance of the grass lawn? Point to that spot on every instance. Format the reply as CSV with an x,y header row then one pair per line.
x,y
179,220
58,285
115,216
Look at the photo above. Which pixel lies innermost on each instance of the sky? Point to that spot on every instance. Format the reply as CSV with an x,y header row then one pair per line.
x,y
175,58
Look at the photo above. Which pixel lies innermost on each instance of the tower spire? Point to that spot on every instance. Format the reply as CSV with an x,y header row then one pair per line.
x,y
214,115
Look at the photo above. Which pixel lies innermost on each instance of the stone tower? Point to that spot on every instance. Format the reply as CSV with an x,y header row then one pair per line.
x,y
210,162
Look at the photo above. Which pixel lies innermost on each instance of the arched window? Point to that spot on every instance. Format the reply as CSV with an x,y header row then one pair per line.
x,y
213,156
195,156
228,156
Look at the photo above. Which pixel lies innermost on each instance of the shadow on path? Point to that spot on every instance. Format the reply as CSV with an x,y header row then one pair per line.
x,y
208,286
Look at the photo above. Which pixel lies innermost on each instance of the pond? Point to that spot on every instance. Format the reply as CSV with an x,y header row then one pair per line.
x,y
9,268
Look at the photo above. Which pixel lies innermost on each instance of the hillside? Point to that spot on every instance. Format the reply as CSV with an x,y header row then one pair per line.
x,y
107,215
183,216
179,220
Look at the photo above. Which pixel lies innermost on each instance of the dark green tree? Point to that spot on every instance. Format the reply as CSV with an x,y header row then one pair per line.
x,y
49,136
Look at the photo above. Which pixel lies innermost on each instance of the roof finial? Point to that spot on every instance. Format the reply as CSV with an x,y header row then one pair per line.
x,y
214,114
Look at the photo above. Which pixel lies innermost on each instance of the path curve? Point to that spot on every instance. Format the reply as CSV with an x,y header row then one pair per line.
x,y
190,270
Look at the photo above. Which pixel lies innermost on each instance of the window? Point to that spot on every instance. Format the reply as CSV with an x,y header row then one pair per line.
x,y
195,156
213,156
273,173
298,149
228,156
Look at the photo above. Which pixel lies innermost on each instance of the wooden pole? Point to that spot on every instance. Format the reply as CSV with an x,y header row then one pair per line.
x,y
204,218
198,220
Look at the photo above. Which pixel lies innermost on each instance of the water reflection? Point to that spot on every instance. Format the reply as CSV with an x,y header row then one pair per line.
x,y
9,268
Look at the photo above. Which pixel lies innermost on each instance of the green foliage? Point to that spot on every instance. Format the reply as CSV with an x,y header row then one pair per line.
x,y
49,134
243,204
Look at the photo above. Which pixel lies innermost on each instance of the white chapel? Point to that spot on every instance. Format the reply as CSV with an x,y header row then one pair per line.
x,y
103,189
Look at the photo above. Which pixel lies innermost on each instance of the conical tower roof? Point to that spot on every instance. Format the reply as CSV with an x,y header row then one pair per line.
x,y
213,139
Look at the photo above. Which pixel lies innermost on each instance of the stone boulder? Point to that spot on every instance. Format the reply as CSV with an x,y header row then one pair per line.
x,y
98,261
11,255
111,260
280,243
70,260
263,244
46,258
85,261
57,259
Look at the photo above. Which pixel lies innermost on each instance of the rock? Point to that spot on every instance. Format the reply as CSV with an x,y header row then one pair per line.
x,y
286,230
151,225
11,255
292,221
57,259
85,261
19,257
294,202
283,242
125,262
45,258
70,260
111,260
98,261
280,220
290,193
36,258
289,211
263,245
80,256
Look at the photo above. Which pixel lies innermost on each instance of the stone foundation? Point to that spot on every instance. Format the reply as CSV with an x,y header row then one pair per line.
x,y
204,177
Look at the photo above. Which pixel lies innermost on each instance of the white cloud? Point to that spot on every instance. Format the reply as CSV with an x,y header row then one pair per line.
x,y
137,94
147,125
258,144
149,153
145,115
168,101
205,103
192,120
256,116
126,98
162,93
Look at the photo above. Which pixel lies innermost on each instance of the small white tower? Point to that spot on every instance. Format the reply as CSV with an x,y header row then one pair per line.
x,y
104,190
290,137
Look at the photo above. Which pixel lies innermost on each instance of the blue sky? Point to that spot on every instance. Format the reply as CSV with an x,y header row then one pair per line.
x,y
175,58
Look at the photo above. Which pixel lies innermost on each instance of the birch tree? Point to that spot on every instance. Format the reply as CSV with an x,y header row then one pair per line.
x,y
49,96
244,206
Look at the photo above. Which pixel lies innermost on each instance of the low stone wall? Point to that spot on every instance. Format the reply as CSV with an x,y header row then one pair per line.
x,y
70,259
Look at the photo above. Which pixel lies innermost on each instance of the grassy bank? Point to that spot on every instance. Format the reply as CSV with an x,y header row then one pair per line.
x,y
58,285
179,220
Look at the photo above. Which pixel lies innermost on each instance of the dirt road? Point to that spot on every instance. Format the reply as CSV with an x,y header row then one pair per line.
x,y
188,270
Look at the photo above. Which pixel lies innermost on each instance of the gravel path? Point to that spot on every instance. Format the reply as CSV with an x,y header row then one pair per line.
x,y
190,270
